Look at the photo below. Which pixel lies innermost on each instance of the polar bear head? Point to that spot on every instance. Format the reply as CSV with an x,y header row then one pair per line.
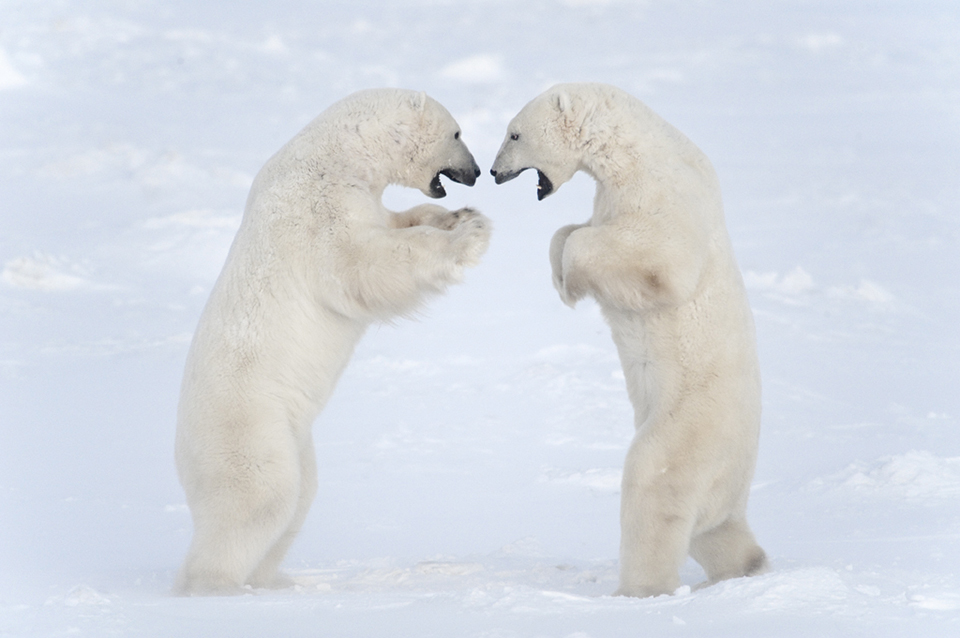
x,y
438,149
397,136
549,134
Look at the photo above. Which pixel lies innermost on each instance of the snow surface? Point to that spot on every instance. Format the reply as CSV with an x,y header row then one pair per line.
x,y
469,461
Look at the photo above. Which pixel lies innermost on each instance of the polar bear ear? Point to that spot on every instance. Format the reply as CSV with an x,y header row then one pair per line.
x,y
418,101
563,102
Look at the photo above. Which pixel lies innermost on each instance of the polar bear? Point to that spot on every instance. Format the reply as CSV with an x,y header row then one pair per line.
x,y
316,260
657,258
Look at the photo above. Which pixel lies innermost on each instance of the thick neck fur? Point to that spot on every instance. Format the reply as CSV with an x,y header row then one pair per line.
x,y
632,153
358,137
612,146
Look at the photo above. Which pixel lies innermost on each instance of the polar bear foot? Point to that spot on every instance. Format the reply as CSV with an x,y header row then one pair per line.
x,y
208,585
729,551
195,582
644,591
278,580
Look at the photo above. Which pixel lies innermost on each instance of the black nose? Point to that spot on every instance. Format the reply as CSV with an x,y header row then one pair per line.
x,y
493,172
476,171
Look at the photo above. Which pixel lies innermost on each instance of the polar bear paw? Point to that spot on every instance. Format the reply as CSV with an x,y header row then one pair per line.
x,y
426,215
557,251
471,235
278,580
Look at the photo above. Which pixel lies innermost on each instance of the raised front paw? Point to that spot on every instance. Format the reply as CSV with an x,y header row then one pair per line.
x,y
571,287
570,268
427,215
557,245
448,220
471,235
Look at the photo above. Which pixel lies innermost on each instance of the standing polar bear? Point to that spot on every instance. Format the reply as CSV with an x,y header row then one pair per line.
x,y
657,258
316,260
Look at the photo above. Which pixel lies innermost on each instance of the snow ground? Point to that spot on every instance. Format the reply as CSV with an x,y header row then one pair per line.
x,y
470,460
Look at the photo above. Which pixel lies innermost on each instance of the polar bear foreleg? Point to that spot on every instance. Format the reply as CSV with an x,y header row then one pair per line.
x,y
594,262
463,238
557,244
392,270
622,272
430,215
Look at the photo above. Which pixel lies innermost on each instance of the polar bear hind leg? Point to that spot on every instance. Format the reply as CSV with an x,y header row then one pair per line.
x,y
728,551
653,547
241,528
266,574
655,525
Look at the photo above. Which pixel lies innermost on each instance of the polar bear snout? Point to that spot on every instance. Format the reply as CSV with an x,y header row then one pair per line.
x,y
544,185
466,175
503,176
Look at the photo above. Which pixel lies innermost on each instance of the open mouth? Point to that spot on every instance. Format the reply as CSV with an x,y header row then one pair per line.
x,y
436,188
467,177
544,185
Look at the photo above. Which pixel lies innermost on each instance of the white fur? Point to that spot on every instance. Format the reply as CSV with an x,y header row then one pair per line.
x,y
317,259
657,258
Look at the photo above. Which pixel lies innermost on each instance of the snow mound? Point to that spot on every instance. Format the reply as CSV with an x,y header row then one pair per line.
x,y
81,595
866,290
795,282
382,366
48,273
200,218
916,476
10,78
943,601
797,285
601,480
476,69
821,42
813,587
149,168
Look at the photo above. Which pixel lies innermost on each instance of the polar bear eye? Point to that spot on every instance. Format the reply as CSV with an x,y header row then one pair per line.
x,y
456,135
514,136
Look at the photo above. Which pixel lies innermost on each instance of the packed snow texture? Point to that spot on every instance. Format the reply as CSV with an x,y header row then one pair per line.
x,y
470,459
